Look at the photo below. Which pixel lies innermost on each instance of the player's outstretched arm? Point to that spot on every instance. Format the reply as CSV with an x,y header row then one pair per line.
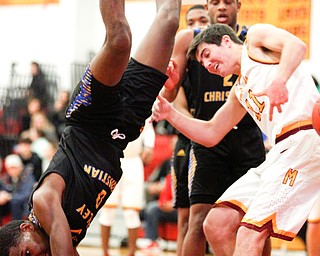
x,y
208,133
47,206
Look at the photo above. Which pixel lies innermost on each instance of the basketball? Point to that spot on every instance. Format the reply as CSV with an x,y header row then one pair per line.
x,y
316,117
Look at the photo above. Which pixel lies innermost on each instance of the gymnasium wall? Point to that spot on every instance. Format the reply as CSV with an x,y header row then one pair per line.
x,y
70,31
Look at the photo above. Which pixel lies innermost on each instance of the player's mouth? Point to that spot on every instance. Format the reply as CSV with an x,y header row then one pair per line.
x,y
213,69
222,18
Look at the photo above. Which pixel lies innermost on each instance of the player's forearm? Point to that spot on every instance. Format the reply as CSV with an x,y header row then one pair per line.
x,y
197,130
169,95
61,243
293,53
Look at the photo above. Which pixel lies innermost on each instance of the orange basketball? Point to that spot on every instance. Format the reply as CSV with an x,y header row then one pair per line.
x,y
316,116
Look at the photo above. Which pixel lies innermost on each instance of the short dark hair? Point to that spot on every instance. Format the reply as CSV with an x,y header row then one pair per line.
x,y
195,7
10,236
212,35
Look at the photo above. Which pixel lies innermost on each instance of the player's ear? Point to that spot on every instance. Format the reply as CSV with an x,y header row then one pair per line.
x,y
26,227
226,40
239,5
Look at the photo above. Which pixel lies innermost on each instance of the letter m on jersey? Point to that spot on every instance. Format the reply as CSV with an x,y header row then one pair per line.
x,y
290,177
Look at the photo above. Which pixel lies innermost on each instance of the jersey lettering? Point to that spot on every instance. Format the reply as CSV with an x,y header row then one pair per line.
x,y
100,198
227,82
257,103
86,214
103,176
215,96
290,175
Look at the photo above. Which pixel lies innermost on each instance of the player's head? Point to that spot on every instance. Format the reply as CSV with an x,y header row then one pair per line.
x,y
20,237
224,11
212,48
197,17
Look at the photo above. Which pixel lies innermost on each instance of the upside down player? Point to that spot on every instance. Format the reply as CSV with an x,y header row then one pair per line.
x,y
108,109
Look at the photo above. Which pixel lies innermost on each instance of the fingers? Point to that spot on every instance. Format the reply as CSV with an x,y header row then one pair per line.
x,y
272,106
156,108
259,94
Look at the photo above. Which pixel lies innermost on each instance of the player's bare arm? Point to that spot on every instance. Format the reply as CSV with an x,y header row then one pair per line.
x,y
179,55
281,47
47,206
181,103
207,133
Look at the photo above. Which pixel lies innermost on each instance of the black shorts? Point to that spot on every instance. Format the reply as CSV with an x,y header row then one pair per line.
x,y
213,170
120,109
179,172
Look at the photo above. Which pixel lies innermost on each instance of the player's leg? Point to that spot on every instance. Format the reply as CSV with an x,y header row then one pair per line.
x,y
179,174
107,216
220,228
112,59
313,230
250,241
132,195
195,240
132,220
156,48
183,219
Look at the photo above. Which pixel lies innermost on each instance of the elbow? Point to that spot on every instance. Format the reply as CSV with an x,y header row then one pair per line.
x,y
303,48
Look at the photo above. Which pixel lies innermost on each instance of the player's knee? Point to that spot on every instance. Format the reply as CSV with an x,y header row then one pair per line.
x,y
212,228
107,215
131,218
119,38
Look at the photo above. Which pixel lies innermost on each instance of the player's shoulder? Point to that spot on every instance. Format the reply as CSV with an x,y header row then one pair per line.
x,y
185,33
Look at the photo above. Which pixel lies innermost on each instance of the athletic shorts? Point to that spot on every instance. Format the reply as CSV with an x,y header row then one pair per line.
x,y
279,194
213,170
118,112
179,172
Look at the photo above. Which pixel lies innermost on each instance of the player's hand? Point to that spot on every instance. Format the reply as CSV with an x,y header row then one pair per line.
x,y
173,74
161,109
277,93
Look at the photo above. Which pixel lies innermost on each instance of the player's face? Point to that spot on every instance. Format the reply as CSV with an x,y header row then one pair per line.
x,y
197,18
213,58
224,11
31,243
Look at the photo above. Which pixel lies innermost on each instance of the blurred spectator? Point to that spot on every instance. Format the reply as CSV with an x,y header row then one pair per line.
x,y
48,153
39,86
156,212
155,182
41,122
32,162
15,188
57,115
39,143
33,106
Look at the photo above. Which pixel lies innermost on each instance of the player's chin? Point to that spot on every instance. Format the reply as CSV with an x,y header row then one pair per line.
x,y
214,71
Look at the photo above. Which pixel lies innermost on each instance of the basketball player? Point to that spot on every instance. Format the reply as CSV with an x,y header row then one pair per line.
x,y
108,109
212,169
196,18
275,198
